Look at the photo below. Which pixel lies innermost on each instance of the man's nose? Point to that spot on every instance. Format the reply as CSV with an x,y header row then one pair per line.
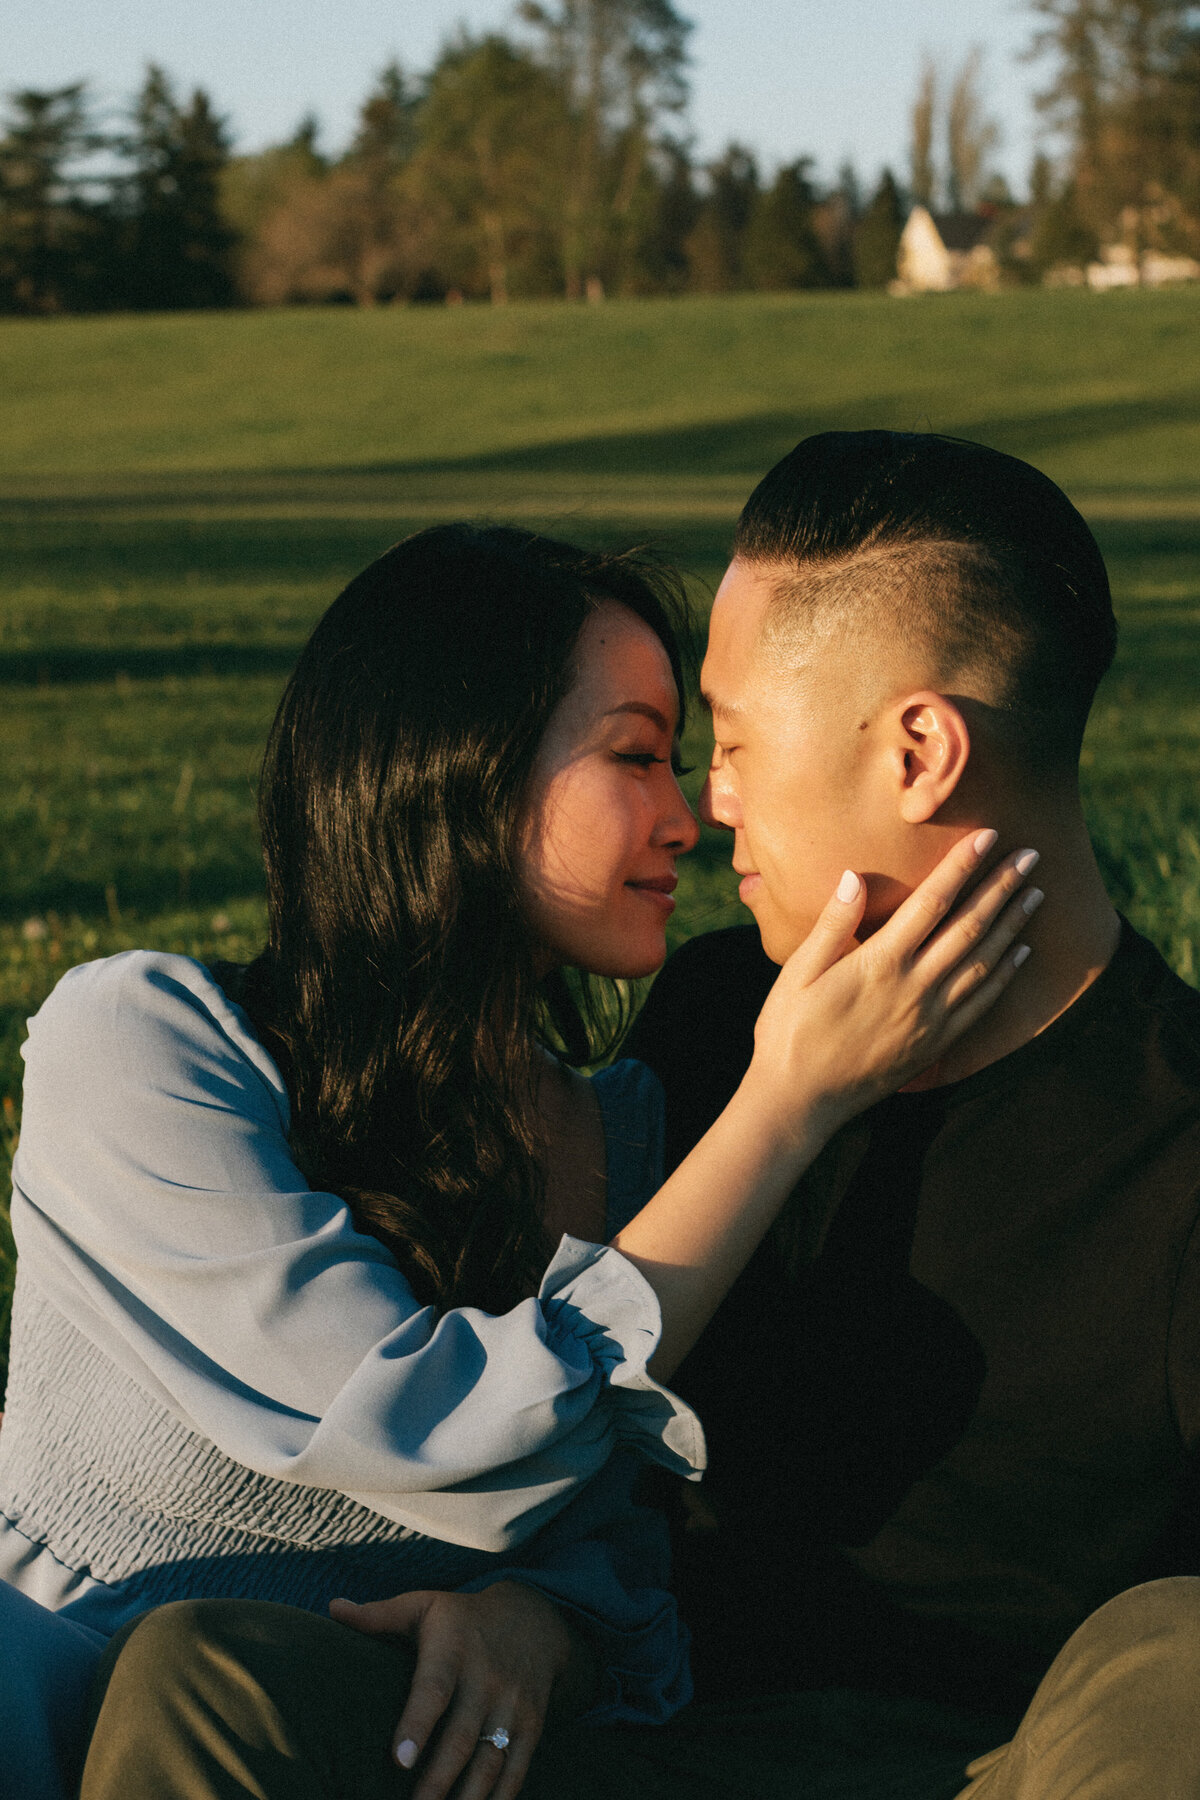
x,y
708,804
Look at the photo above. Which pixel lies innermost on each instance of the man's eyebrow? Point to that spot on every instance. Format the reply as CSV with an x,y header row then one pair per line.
x,y
646,711
722,709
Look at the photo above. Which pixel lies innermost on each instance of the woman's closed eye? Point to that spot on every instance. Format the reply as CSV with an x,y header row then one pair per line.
x,y
644,759
641,759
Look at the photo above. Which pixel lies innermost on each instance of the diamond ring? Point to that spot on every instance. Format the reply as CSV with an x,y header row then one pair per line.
x,y
499,1737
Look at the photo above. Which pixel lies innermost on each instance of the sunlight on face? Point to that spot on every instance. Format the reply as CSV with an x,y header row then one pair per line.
x,y
792,762
605,817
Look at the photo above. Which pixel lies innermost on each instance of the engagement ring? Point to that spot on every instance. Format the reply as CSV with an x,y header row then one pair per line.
x,y
499,1737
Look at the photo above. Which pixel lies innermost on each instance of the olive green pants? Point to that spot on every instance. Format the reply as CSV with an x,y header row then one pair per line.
x,y
225,1700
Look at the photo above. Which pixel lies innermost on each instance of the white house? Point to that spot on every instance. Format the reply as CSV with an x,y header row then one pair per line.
x,y
944,251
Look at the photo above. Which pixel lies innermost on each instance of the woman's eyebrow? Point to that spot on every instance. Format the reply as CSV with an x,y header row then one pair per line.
x,y
645,709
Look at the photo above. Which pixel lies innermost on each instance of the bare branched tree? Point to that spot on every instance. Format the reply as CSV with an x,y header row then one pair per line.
x,y
971,136
621,63
923,178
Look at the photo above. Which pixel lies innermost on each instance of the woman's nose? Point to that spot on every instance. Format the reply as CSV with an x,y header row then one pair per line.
x,y
679,829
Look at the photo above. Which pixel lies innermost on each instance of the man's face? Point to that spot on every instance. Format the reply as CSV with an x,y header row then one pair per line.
x,y
795,770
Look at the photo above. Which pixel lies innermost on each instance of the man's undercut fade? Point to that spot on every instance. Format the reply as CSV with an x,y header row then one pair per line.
x,y
972,559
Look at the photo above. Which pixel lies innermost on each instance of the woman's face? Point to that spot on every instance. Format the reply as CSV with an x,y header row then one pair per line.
x,y
605,817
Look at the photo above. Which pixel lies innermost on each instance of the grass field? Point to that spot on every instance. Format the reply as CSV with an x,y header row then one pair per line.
x,y
180,497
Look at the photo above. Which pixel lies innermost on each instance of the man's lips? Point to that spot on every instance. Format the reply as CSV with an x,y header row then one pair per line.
x,y
751,881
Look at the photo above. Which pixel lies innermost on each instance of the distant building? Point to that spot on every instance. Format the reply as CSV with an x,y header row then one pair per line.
x,y
1118,267
945,250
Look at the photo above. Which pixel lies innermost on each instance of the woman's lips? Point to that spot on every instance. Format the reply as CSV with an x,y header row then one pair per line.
x,y
658,891
748,886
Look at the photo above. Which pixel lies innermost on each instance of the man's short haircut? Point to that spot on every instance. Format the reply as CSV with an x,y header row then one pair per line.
x,y
973,559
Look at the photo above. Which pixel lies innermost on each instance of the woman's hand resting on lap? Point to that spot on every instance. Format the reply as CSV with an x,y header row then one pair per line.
x,y
504,1657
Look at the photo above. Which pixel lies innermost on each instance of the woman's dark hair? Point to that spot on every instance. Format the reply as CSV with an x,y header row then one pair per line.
x,y
399,988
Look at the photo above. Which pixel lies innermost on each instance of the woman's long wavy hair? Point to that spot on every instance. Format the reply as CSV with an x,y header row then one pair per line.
x,y
399,988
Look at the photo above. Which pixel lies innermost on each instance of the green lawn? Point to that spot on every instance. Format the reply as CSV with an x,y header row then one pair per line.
x,y
180,497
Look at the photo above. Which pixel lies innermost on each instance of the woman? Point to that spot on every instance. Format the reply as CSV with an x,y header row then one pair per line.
x,y
290,1323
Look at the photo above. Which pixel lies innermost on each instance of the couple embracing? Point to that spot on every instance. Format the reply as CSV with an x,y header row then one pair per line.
x,y
339,1458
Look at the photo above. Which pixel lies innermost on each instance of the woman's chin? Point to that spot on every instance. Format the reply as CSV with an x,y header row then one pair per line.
x,y
628,961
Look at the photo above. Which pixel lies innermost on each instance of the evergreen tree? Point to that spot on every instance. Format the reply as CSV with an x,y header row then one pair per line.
x,y
671,210
878,237
54,240
1060,236
835,220
387,131
716,243
782,249
179,245
850,188
303,146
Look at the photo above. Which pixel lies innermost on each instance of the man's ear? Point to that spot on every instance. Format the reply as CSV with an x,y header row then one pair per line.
x,y
932,747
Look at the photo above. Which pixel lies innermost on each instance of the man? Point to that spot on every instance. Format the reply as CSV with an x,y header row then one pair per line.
x,y
953,1406
949,1539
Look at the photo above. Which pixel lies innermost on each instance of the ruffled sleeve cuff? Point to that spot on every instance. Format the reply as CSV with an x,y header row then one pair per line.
x,y
605,1562
592,1294
645,1675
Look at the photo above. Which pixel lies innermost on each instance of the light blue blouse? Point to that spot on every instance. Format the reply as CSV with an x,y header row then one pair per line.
x,y
219,1385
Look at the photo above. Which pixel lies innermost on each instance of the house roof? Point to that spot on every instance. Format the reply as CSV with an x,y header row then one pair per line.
x,y
961,230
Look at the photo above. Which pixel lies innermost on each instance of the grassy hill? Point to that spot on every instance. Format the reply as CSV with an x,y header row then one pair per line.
x,y
1101,391
180,497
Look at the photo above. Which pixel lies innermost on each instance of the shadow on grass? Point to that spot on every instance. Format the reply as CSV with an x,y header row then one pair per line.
x,y
73,532
55,665
735,447
140,888
753,444
73,555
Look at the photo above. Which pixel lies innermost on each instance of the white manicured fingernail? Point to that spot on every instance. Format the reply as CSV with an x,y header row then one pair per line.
x,y
984,841
406,1753
1028,859
847,887
1033,900
1020,954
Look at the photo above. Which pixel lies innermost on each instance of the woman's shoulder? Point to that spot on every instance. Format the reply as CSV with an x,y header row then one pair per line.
x,y
156,979
133,994
142,1012
628,1092
630,1098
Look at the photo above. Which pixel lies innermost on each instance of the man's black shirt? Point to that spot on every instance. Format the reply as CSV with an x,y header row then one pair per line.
x,y
953,1404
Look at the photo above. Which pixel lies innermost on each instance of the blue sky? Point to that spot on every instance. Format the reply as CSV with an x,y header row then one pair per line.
x,y
833,78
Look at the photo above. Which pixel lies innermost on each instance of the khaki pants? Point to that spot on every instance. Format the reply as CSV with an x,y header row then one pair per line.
x,y
1118,1713
221,1700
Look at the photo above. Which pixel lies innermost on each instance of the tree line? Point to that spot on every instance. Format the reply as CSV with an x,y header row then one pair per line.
x,y
555,159
550,160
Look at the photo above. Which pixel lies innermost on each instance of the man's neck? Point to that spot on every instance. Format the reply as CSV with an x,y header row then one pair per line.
x,y
1072,936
